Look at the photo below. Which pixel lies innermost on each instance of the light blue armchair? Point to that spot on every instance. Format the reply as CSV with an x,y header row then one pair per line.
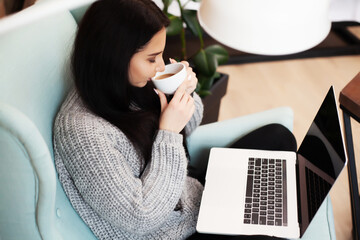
x,y
34,78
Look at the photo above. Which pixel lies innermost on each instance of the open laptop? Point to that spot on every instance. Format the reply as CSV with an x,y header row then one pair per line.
x,y
274,193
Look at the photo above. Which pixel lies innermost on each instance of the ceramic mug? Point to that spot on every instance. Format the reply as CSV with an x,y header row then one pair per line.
x,y
171,78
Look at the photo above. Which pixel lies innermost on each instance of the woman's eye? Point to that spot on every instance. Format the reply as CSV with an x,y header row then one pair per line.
x,y
152,60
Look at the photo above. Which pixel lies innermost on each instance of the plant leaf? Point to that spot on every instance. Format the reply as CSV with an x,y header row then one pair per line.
x,y
200,62
166,3
206,82
205,63
209,82
191,21
220,53
201,80
198,87
175,26
212,63
203,93
196,0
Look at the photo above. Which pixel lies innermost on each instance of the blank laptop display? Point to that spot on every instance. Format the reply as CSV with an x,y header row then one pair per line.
x,y
274,193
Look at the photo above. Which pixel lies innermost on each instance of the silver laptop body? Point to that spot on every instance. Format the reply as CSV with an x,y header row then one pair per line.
x,y
273,193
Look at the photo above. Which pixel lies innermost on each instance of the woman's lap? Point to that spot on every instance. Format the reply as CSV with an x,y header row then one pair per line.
x,y
270,137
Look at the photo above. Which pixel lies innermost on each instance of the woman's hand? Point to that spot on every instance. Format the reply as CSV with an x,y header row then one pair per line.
x,y
177,113
191,79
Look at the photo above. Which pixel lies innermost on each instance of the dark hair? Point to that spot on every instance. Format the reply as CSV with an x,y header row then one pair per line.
x,y
110,33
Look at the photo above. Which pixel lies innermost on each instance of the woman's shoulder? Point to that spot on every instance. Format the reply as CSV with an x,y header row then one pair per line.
x,y
73,105
75,117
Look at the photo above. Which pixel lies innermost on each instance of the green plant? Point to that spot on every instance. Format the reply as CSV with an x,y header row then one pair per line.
x,y
206,60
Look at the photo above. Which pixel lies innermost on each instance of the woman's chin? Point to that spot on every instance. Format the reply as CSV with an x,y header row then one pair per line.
x,y
140,84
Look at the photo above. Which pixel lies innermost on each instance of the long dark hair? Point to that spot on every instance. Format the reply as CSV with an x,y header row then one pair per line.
x,y
110,33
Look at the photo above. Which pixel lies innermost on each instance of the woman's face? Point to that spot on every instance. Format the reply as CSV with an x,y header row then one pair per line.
x,y
145,63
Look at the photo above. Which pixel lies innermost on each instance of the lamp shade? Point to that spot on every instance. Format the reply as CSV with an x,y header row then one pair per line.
x,y
266,27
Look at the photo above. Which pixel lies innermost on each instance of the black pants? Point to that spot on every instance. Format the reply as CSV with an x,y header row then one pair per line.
x,y
269,137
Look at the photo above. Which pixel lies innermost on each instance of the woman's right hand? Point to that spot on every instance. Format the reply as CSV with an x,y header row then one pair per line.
x,y
177,113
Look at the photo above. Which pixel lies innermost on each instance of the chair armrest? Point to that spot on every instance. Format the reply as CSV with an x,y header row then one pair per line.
x,y
22,145
322,226
224,133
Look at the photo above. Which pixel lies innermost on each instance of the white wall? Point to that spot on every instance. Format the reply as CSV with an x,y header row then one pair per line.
x,y
340,10
345,10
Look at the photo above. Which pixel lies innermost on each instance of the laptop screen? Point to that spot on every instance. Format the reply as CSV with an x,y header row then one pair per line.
x,y
321,157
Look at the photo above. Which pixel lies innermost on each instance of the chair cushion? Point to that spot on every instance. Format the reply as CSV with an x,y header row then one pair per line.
x,y
34,79
34,74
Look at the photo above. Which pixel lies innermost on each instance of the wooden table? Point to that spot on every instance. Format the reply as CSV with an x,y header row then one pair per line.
x,y
350,104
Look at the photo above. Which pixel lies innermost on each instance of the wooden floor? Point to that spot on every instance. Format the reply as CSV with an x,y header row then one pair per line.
x,y
302,85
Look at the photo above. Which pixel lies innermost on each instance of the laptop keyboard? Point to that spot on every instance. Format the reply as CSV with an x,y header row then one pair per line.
x,y
317,190
266,200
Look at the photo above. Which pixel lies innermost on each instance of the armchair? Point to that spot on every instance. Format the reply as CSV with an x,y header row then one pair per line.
x,y
34,79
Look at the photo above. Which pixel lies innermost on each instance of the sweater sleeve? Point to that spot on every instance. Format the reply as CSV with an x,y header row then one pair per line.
x,y
99,162
197,116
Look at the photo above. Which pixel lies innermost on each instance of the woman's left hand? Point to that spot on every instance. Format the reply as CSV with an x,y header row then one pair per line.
x,y
190,78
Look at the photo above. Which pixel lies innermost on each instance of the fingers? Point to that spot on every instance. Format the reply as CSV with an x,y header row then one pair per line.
x,y
181,97
177,114
187,105
190,74
186,63
189,71
180,91
191,106
191,79
186,98
192,110
190,100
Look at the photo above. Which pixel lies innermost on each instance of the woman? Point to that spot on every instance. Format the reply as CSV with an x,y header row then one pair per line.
x,y
119,145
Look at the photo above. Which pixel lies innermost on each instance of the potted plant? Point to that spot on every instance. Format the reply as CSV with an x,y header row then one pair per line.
x,y
211,84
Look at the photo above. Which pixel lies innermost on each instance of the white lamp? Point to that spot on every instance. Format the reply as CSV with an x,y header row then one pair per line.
x,y
267,27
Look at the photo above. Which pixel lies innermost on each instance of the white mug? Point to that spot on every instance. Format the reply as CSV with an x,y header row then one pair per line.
x,y
171,78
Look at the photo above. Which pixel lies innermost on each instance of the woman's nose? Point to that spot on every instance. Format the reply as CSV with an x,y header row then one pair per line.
x,y
161,66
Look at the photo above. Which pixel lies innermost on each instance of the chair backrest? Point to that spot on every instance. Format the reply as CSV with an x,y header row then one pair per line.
x,y
34,79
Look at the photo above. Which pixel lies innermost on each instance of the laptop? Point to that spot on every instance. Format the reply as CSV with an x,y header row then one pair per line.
x,y
273,193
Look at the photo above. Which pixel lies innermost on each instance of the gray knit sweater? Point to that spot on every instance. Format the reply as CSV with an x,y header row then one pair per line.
x,y
99,169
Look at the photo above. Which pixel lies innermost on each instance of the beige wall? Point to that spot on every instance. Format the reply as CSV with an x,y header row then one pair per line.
x,y
2,9
8,7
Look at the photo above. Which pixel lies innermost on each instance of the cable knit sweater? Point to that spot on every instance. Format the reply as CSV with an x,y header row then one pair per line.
x,y
99,169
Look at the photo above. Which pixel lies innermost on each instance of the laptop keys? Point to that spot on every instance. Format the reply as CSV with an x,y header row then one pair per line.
x,y
255,218
266,187
262,220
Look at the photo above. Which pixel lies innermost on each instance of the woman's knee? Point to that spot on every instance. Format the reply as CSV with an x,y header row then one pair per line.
x,y
269,137
284,137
